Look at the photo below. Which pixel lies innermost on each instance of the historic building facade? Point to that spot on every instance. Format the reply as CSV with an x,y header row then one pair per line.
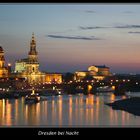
x,y
97,72
53,78
29,68
3,69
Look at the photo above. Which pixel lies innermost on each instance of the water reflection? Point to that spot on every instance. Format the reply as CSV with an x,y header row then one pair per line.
x,y
112,98
60,101
53,113
69,110
97,109
16,110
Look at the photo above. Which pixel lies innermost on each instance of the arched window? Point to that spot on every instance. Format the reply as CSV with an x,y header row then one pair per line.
x,y
33,69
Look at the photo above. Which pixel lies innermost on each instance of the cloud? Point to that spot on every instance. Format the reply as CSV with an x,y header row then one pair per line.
x,y
134,32
90,11
90,27
74,37
101,27
128,12
128,26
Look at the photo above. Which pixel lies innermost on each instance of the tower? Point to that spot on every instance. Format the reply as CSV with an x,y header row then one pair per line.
x,y
3,69
32,64
33,53
2,59
28,68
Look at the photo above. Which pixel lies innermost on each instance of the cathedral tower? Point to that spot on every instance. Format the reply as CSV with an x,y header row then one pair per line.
x,y
29,67
2,59
3,69
32,64
33,53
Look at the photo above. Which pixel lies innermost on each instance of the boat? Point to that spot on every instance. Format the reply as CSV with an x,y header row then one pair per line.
x,y
106,89
32,98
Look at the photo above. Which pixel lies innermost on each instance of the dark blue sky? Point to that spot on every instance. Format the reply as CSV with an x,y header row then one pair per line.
x,y
74,36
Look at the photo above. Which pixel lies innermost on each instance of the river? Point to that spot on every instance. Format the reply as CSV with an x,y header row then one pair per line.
x,y
66,111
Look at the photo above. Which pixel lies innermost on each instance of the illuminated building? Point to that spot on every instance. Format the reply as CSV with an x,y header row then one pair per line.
x,y
20,65
29,67
53,78
97,72
79,75
3,69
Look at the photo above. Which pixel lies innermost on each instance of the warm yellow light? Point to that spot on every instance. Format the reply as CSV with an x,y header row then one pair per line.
x,y
89,88
33,92
9,64
113,87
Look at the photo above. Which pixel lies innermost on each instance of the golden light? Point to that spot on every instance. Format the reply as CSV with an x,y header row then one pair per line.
x,y
9,64
113,87
89,88
123,97
112,97
33,92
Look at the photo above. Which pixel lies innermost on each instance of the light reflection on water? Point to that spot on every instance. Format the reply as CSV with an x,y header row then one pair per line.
x,y
66,110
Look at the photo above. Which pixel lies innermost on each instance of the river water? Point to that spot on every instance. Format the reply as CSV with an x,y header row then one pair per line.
x,y
66,111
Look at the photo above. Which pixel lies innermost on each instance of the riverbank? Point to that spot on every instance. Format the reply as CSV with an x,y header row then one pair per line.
x,y
131,105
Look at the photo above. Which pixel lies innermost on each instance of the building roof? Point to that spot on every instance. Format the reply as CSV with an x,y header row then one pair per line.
x,y
23,60
101,66
82,71
52,73
1,49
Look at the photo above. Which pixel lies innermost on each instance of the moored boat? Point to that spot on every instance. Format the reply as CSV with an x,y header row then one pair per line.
x,y
106,89
32,98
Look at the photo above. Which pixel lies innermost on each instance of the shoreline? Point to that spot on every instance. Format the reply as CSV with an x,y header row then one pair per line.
x,y
130,105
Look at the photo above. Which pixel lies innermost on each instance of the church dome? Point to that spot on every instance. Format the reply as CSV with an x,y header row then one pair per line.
x,y
1,49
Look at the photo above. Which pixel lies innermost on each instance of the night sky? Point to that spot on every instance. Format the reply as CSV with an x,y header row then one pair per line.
x,y
71,37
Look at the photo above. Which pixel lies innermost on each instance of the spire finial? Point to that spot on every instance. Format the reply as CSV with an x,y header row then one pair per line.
x,y
33,36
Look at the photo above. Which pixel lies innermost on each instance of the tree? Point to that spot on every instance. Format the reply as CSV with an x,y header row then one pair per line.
x,y
68,77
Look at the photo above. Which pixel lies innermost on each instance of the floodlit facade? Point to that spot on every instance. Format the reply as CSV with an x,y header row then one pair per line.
x,y
97,72
3,69
28,68
53,78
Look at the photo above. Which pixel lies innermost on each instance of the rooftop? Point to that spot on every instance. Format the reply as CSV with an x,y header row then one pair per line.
x,y
1,49
101,66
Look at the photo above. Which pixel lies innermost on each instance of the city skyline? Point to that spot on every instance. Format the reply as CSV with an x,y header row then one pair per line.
x,y
71,37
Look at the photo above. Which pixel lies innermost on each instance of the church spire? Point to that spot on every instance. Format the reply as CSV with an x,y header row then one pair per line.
x,y
33,38
33,46
33,52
